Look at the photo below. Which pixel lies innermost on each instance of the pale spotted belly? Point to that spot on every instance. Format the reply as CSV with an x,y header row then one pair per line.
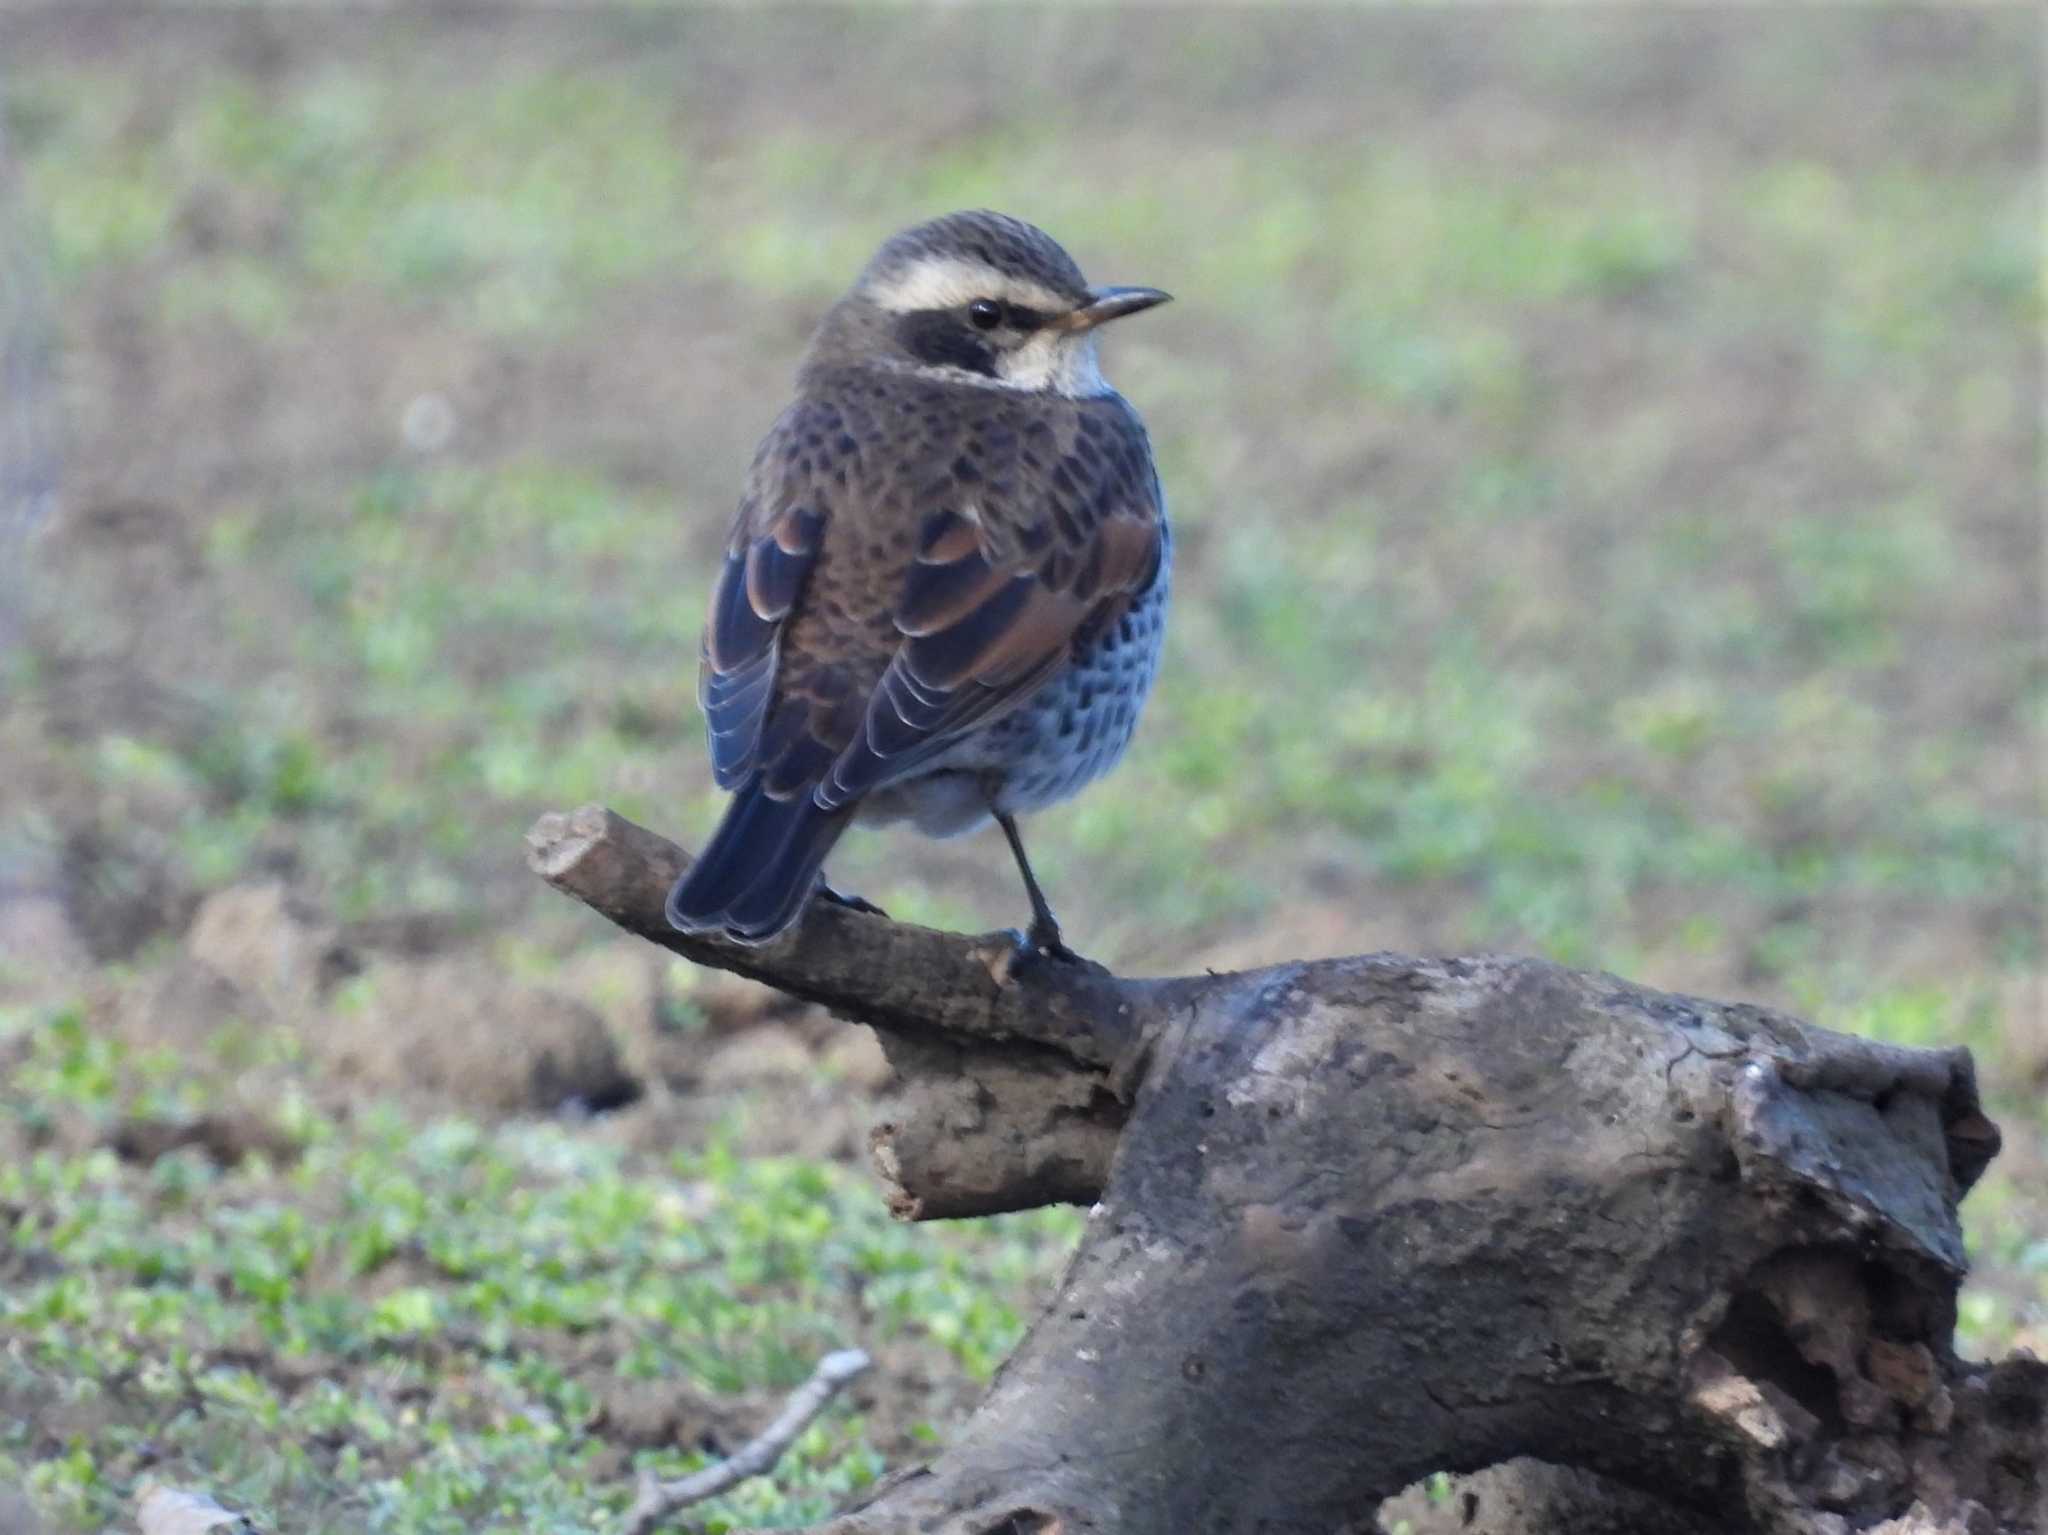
x,y
1067,735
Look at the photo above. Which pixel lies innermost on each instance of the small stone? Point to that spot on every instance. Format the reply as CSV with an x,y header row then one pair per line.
x,y
168,1511
458,1026
229,1138
428,422
645,1414
303,1368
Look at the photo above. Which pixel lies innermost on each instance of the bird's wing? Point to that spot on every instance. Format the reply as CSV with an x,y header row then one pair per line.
x,y
768,559
846,647
1010,577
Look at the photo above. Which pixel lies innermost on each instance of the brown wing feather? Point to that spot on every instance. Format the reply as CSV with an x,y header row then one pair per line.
x,y
767,564
913,561
985,629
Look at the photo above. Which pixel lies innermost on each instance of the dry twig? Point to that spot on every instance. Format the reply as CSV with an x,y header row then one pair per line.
x,y
657,1499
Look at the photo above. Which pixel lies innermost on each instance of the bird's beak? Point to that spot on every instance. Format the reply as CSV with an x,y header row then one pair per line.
x,y
1106,304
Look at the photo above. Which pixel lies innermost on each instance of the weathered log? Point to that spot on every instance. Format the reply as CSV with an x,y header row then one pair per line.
x,y
1363,1219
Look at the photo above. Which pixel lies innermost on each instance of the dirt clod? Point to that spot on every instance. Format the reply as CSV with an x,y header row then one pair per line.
x,y
227,1138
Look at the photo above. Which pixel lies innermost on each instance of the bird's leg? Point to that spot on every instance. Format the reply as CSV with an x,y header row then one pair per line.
x,y
825,892
1044,936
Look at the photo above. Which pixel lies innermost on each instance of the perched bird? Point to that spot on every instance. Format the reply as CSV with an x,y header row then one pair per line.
x,y
944,593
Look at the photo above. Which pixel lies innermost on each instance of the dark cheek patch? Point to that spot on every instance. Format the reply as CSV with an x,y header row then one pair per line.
x,y
941,337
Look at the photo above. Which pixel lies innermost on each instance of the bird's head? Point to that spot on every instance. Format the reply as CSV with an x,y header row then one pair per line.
x,y
979,298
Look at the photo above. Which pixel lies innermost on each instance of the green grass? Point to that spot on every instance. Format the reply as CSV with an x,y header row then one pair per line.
x,y
415,1325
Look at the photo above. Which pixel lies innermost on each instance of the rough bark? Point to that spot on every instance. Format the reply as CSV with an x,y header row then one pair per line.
x,y
1363,1219
1010,1097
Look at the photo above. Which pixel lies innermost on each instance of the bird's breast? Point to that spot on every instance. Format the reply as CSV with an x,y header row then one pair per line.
x,y
1062,738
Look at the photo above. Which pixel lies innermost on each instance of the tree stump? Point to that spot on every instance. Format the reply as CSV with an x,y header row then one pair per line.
x,y
1359,1220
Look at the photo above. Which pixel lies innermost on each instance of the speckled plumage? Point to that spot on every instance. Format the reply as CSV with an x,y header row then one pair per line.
x,y
943,596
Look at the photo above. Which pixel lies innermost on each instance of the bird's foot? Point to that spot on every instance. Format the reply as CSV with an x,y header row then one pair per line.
x,y
1044,939
850,902
1008,953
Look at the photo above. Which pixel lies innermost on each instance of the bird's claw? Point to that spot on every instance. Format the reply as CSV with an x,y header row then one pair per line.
x,y
1044,940
850,902
1008,953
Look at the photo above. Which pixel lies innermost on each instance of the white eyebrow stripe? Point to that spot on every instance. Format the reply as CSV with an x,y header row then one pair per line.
x,y
947,282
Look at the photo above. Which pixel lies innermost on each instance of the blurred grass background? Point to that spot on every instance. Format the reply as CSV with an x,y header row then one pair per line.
x,y
1605,455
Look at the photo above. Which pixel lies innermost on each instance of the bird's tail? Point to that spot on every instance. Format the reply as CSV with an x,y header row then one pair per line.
x,y
760,866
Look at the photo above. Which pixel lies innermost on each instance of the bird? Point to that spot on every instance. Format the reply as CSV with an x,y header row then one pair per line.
x,y
944,593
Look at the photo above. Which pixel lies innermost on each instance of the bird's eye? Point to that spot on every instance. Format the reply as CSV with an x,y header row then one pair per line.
x,y
985,314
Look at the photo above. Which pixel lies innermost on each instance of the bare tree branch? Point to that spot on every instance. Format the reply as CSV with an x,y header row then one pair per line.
x,y
1011,1076
657,1500
864,967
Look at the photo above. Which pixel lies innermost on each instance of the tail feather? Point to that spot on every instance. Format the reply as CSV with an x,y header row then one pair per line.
x,y
771,904
759,868
754,825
